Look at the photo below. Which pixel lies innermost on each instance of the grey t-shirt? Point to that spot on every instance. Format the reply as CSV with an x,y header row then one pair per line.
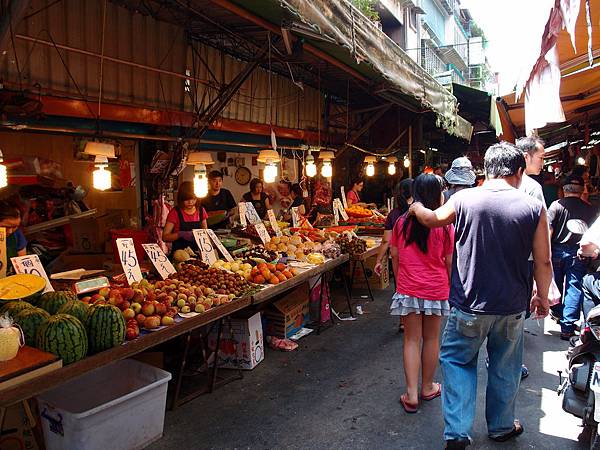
x,y
532,188
563,210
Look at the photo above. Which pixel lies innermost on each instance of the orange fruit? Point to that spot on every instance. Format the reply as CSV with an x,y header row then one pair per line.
x,y
280,267
255,271
281,276
259,279
266,274
274,280
271,267
261,266
287,274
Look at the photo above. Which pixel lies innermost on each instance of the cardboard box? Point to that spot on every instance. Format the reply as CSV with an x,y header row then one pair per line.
x,y
375,281
241,343
90,235
286,316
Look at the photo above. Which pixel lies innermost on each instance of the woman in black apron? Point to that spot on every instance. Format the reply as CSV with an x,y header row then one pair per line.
x,y
184,218
16,244
258,198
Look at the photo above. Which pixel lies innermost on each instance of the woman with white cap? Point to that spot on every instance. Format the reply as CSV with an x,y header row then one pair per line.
x,y
459,177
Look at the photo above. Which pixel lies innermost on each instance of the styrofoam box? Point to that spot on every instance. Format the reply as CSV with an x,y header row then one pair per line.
x,y
119,406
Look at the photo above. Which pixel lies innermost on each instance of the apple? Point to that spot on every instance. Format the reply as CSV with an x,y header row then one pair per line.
x,y
87,299
181,303
138,296
160,309
127,293
200,308
148,308
115,299
125,305
131,322
97,298
185,309
128,313
172,311
132,333
150,296
207,304
104,292
152,322
140,319
167,321
136,307
161,296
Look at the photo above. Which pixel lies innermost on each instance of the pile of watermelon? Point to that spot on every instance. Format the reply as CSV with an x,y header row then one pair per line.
x,y
61,324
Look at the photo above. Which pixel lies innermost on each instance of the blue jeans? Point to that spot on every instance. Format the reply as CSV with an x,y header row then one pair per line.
x,y
463,337
569,269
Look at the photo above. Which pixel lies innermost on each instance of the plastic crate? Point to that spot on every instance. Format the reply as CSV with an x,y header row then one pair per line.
x,y
119,406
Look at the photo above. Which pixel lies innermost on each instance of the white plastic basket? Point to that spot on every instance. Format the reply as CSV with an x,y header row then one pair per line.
x,y
119,406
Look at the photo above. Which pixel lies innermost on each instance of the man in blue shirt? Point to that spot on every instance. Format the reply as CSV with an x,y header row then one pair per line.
x,y
497,227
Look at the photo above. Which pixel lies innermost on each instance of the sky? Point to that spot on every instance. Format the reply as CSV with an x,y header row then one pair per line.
x,y
512,28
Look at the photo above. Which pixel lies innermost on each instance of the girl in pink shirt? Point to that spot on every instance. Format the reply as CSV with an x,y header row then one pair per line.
x,y
422,260
352,196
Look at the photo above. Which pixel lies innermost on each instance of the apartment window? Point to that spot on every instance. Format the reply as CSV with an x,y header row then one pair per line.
x,y
412,18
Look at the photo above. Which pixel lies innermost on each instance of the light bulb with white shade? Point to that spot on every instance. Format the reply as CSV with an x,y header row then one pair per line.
x,y
200,181
370,170
392,169
581,161
311,168
101,178
270,173
327,170
406,162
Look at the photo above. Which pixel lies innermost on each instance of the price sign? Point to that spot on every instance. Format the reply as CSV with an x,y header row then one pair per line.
x,y
263,234
251,214
31,264
295,217
160,261
336,214
343,191
219,245
274,223
389,204
207,251
129,261
2,252
340,208
242,211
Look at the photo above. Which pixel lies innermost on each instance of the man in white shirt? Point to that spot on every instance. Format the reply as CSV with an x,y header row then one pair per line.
x,y
533,150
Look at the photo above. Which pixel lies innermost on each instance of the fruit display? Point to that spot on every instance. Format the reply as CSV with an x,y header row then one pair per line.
x,y
13,308
265,273
260,252
75,308
25,287
315,258
353,246
220,281
295,247
358,211
52,301
105,328
374,219
30,319
331,250
239,266
310,234
184,297
64,336
10,339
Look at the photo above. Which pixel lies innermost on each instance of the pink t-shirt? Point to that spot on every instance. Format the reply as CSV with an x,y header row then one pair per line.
x,y
173,217
423,275
352,197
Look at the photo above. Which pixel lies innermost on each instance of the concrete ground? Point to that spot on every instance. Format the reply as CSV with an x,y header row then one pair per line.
x,y
340,390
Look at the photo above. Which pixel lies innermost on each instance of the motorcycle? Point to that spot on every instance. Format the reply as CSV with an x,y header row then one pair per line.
x,y
581,388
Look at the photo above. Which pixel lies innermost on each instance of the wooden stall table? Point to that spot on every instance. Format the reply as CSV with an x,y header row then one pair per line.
x,y
32,387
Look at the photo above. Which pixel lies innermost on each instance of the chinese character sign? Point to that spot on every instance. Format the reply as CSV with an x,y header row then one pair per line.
x,y
160,261
129,260
274,223
31,264
205,245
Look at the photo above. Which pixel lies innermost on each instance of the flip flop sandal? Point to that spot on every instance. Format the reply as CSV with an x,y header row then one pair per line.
x,y
516,431
436,394
408,407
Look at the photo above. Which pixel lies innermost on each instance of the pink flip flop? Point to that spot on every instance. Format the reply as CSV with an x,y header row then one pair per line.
x,y
436,394
409,408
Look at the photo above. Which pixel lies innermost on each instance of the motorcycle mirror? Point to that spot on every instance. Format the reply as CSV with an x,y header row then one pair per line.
x,y
593,314
577,226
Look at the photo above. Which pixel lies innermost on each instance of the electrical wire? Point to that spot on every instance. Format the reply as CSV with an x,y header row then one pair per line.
x,y
102,58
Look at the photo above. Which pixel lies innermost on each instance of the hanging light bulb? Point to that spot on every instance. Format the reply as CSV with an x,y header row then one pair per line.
x,y
406,162
101,178
311,168
550,169
200,181
392,160
370,161
270,158
581,161
327,170
3,173
270,172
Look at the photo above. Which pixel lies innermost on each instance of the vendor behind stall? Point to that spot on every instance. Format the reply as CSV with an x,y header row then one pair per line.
x,y
353,194
297,198
10,218
219,203
184,218
258,198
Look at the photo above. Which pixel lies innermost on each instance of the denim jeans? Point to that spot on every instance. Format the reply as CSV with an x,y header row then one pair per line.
x,y
568,274
463,337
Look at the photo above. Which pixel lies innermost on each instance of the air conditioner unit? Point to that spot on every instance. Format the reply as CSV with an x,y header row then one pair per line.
x,y
475,72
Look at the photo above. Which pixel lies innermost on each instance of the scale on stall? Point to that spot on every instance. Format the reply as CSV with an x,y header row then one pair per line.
x,y
83,281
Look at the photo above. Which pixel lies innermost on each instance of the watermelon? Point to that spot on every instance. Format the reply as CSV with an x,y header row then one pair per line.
x,y
105,327
64,336
24,286
29,319
75,308
13,308
53,301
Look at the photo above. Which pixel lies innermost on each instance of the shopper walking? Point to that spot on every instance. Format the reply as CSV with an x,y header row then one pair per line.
x,y
422,259
459,177
497,228
569,269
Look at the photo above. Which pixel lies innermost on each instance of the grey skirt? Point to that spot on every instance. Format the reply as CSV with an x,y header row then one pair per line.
x,y
402,305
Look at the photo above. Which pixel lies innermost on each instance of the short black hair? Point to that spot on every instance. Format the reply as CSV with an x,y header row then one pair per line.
x,y
503,160
9,210
185,191
529,144
215,174
296,189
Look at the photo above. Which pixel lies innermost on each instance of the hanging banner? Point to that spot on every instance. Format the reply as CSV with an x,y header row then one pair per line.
x,y
219,245
31,264
159,260
129,260
263,234
205,245
274,223
3,261
344,201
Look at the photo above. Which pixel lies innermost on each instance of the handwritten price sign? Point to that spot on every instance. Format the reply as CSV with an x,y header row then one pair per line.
x,y
274,223
337,203
263,234
160,261
343,191
242,210
205,245
129,261
219,245
31,264
295,217
251,214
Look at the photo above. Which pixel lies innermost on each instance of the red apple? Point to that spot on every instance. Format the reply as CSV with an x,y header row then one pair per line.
x,y
123,306
160,309
148,308
97,298
150,296
138,296
115,299
140,318
128,313
104,292
87,299
152,322
127,293
171,311
132,333
132,322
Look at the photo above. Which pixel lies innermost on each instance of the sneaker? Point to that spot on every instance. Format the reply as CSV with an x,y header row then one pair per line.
x,y
458,444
